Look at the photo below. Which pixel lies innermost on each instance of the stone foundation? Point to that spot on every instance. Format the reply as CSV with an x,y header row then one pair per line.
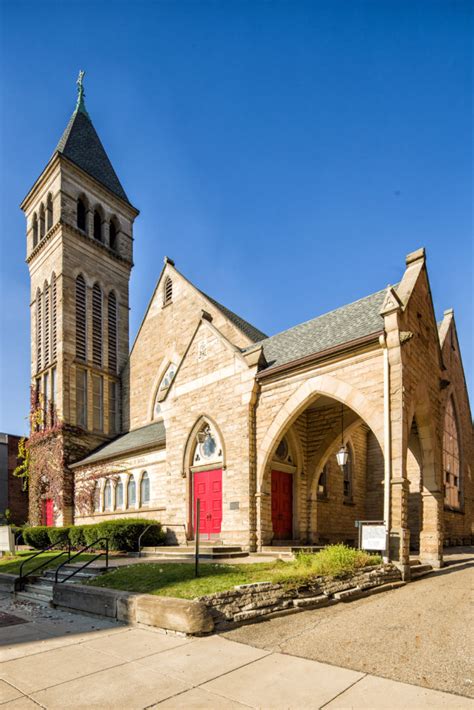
x,y
252,601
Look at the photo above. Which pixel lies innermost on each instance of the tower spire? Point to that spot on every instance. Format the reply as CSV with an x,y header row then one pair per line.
x,y
80,105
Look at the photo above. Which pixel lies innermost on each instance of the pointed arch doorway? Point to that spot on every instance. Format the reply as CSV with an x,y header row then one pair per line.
x,y
206,482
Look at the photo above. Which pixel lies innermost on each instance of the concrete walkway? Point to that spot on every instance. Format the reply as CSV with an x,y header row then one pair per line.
x,y
54,659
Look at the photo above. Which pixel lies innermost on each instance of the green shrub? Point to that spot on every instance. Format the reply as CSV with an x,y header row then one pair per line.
x,y
76,536
36,537
122,534
59,536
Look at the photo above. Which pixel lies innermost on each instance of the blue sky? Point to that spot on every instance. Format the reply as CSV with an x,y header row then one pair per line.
x,y
287,155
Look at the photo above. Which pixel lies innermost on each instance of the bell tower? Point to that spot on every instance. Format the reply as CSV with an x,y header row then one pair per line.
x,y
79,251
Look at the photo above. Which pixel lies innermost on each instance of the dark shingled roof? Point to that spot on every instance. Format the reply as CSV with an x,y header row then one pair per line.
x,y
147,437
347,323
81,144
247,328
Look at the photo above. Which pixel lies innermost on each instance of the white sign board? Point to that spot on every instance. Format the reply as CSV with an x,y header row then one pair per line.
x,y
7,539
373,537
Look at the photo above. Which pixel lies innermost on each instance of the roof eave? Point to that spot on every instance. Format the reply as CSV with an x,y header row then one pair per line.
x,y
121,454
322,354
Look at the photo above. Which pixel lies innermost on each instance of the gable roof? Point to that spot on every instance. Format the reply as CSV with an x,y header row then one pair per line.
x,y
82,146
247,328
343,325
146,437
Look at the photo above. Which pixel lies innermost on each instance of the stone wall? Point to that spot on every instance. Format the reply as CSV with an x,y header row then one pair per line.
x,y
250,602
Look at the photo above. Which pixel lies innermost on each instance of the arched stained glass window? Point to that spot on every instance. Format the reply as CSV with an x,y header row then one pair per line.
x,y
145,490
119,494
108,495
131,493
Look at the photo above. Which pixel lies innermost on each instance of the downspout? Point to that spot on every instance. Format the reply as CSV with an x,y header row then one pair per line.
x,y
387,446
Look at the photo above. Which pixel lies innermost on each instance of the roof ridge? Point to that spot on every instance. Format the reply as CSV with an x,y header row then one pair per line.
x,y
245,326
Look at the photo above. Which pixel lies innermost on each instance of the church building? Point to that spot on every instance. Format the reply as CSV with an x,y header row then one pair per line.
x,y
358,414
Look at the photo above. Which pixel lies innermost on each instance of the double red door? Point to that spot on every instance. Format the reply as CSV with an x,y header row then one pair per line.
x,y
48,517
208,488
282,505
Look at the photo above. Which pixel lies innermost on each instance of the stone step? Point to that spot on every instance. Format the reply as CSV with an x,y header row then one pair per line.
x,y
414,563
421,570
34,596
188,554
83,574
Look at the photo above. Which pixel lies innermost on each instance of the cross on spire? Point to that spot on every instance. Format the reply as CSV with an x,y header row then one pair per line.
x,y
81,106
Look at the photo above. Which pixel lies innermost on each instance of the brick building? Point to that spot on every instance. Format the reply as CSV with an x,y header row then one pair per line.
x,y
12,496
358,414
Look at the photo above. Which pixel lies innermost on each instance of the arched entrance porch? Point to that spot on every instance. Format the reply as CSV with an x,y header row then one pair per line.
x,y
323,500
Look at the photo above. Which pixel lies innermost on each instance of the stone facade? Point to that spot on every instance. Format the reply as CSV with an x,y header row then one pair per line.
x,y
268,433
12,496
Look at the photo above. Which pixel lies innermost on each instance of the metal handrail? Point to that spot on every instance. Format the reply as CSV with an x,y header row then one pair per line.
x,y
87,547
140,538
46,562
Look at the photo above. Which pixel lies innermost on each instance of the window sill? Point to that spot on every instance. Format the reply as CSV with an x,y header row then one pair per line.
x,y
322,499
457,511
121,511
348,502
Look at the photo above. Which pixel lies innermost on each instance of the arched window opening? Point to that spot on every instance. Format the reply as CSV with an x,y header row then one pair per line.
x,y
322,493
144,490
451,457
131,493
167,291
47,331
112,235
39,330
41,221
35,230
119,495
81,318
96,497
97,226
208,448
81,215
168,377
108,495
283,452
54,318
112,327
97,325
49,213
348,475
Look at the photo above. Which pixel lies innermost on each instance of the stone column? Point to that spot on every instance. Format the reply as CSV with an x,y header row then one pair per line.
x,y
431,536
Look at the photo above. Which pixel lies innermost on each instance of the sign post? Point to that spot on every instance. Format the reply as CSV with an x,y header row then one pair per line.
x,y
372,535
197,521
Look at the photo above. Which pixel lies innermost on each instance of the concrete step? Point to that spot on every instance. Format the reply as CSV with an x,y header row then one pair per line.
x,y
188,554
414,563
83,574
32,595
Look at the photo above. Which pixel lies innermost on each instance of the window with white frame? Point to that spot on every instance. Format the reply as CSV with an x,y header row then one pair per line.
x,y
108,495
451,457
119,494
145,490
131,493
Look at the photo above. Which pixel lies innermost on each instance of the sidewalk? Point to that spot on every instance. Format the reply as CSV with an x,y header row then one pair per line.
x,y
54,659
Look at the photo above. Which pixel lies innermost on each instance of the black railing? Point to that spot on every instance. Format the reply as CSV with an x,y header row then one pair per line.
x,y
45,563
86,564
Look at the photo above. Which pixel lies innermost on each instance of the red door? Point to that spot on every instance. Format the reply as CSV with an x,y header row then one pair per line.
x,y
48,518
282,505
208,488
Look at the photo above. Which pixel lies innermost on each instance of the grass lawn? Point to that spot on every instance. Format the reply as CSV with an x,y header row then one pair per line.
x,y
177,580
11,564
